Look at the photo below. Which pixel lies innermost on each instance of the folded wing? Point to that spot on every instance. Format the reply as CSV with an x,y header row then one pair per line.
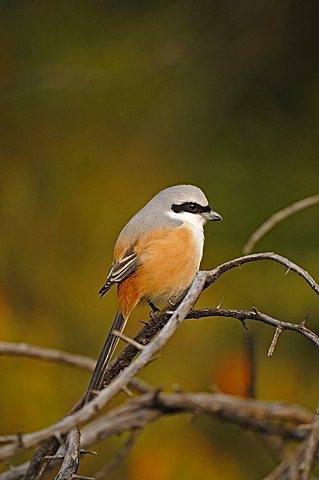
x,y
121,269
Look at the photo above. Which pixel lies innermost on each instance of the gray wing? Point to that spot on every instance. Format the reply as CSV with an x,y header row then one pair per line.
x,y
121,269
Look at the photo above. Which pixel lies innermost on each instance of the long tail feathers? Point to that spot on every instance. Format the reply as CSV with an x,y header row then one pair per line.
x,y
105,288
104,358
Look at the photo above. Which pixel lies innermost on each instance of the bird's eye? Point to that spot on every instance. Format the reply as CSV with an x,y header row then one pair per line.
x,y
192,207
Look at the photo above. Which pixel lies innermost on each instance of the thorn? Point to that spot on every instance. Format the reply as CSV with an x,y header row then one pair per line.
x,y
220,304
303,322
127,391
154,358
243,322
254,309
20,439
54,457
88,452
287,271
80,477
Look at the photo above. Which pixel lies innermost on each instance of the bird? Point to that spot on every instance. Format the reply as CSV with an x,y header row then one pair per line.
x,y
156,257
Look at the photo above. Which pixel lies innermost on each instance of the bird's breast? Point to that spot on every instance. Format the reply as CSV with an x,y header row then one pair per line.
x,y
169,260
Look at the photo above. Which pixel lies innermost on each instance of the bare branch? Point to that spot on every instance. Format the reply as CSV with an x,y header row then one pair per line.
x,y
46,354
277,218
267,417
254,314
213,275
298,465
202,280
71,456
311,448
288,421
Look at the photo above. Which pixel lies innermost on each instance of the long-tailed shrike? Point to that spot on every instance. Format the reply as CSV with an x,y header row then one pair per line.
x,y
156,257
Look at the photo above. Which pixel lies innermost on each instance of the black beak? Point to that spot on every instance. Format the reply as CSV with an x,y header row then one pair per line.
x,y
212,216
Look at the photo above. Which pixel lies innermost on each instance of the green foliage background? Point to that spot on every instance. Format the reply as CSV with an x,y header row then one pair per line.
x,y
102,104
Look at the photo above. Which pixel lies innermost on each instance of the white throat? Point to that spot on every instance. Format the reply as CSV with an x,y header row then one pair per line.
x,y
194,222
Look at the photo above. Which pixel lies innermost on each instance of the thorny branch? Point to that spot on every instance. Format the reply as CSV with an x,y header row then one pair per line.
x,y
288,421
71,456
121,378
298,465
254,314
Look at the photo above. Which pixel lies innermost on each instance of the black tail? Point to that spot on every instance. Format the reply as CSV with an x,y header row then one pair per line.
x,y
104,358
105,288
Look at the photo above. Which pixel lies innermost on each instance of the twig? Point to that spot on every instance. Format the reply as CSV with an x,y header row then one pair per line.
x,y
213,275
274,341
46,354
115,462
278,217
128,340
257,316
71,456
7,439
298,465
81,477
311,448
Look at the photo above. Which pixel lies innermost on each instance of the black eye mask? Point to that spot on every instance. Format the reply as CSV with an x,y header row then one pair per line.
x,y
190,207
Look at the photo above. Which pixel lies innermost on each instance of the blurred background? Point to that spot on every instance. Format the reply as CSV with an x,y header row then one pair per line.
x,y
103,104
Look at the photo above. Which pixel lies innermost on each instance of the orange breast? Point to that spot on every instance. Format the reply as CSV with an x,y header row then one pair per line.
x,y
169,262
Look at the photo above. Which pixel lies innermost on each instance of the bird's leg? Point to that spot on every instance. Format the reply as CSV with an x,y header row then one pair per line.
x,y
173,304
154,308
